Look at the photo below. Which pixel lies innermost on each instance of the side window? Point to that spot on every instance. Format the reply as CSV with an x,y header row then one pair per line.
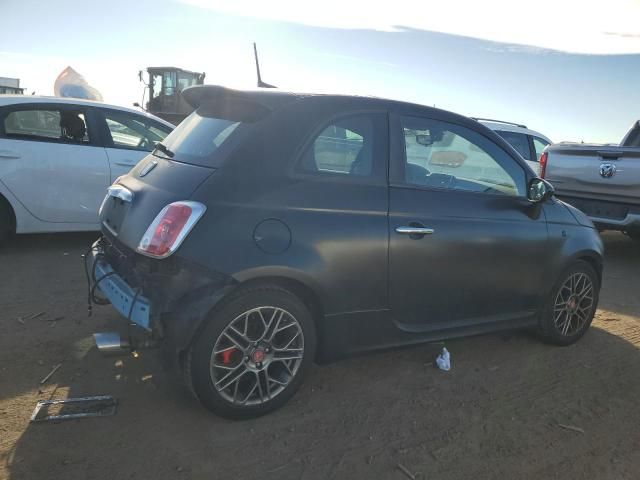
x,y
519,141
351,146
133,132
539,144
169,83
50,124
444,155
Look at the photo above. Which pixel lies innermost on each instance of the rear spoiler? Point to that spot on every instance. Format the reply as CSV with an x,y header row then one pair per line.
x,y
235,105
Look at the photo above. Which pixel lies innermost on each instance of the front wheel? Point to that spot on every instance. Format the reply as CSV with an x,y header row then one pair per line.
x,y
571,306
253,354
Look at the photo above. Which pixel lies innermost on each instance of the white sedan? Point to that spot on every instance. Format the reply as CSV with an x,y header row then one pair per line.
x,y
59,155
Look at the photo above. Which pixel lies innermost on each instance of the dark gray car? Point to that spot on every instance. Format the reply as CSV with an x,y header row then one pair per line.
x,y
272,229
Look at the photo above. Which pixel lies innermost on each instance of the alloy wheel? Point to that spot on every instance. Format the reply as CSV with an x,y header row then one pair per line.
x,y
573,304
257,355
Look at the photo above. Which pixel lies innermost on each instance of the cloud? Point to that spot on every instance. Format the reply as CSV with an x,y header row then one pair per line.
x,y
623,35
573,26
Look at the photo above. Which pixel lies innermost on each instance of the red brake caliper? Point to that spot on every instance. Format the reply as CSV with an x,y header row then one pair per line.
x,y
226,355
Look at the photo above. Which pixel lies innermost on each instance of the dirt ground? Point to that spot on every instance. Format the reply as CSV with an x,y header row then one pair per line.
x,y
496,414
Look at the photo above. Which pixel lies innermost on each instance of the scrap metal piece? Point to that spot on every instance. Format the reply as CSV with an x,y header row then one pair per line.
x,y
50,374
83,407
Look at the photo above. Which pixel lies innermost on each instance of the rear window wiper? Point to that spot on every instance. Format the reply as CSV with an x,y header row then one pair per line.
x,y
165,150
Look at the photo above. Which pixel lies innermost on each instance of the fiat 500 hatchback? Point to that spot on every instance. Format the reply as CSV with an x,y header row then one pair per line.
x,y
272,229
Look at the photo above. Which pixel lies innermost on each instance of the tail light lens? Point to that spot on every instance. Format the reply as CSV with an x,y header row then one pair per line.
x,y
169,228
543,164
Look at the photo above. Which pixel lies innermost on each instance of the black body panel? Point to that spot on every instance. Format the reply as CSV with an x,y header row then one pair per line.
x,y
490,263
166,182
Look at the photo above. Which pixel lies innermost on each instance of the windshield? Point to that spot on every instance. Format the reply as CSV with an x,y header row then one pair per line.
x,y
197,139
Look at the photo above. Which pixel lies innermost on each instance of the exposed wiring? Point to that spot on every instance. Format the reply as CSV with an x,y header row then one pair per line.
x,y
133,303
91,297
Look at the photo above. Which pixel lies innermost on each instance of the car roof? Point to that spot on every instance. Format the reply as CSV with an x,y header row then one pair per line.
x,y
8,99
256,102
253,104
512,127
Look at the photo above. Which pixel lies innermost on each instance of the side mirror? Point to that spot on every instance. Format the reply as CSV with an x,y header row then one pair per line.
x,y
539,190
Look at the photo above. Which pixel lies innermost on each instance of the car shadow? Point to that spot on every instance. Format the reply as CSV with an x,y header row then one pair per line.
x,y
508,396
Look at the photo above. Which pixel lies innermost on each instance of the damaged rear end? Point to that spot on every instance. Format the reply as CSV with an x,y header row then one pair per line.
x,y
146,216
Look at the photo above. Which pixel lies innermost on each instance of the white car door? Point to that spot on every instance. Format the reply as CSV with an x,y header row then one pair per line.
x,y
52,163
130,137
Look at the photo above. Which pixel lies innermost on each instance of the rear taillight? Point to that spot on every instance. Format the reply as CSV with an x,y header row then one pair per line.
x,y
169,229
543,164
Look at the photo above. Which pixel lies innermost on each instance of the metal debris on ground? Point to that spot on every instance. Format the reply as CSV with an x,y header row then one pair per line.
x,y
443,361
54,370
572,428
30,317
75,408
406,471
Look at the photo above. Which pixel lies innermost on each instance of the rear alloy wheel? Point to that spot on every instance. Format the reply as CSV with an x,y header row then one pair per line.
x,y
253,354
573,305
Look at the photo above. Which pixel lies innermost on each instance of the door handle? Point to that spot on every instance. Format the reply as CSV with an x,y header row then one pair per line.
x,y
414,230
8,154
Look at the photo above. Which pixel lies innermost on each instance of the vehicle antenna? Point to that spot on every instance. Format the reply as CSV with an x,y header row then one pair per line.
x,y
261,84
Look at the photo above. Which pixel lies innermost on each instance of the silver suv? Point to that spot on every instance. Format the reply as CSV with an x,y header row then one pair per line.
x,y
528,143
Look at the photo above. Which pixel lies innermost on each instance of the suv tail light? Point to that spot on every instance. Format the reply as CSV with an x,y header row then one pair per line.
x,y
543,164
169,228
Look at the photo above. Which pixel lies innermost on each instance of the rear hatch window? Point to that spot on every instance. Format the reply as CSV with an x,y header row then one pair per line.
x,y
200,140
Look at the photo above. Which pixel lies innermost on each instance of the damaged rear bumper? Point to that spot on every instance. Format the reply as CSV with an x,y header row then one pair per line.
x,y
128,302
168,299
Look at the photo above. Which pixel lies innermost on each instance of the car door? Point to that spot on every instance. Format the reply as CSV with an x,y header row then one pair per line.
x,y
53,162
465,244
129,138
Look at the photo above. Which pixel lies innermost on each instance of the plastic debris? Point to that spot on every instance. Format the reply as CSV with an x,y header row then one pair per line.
x,y
443,361
74,408
71,84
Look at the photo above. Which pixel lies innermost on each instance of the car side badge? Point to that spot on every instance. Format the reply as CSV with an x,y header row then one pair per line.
x,y
147,168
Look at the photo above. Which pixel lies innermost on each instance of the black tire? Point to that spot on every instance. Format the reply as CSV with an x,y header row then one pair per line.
x,y
198,361
553,321
7,221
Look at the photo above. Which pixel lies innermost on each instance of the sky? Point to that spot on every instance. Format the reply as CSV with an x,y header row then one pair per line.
x,y
569,69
